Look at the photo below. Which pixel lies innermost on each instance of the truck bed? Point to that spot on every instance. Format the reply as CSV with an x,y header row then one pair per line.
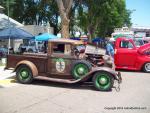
x,y
40,60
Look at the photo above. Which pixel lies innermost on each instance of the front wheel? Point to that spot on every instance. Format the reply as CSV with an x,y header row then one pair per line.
x,y
24,74
146,67
80,68
103,81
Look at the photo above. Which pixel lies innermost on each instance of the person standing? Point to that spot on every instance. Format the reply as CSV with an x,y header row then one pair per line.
x,y
45,46
110,51
110,47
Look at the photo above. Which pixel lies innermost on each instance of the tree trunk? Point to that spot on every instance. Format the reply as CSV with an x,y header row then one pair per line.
x,y
64,7
65,29
90,30
90,36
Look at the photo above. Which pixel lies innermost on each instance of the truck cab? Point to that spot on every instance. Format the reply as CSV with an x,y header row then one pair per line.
x,y
131,57
61,55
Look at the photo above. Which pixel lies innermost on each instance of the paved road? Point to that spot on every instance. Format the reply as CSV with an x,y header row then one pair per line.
x,y
47,97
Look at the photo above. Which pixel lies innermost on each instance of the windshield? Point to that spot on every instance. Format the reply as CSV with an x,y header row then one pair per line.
x,y
80,48
138,42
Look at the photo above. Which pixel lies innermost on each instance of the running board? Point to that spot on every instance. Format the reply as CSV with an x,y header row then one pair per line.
x,y
70,81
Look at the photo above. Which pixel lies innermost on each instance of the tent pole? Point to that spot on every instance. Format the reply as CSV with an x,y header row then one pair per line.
x,y
8,45
8,25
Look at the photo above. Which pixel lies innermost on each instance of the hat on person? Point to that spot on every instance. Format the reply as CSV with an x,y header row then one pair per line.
x,y
111,40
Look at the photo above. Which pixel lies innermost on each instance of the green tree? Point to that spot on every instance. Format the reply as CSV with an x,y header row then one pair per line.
x,y
96,18
51,14
102,16
8,5
27,11
18,10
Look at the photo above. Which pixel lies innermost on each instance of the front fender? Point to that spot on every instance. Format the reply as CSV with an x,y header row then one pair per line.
x,y
104,69
30,65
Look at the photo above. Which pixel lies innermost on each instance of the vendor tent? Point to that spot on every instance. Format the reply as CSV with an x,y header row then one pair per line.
x,y
15,33
5,22
45,37
98,39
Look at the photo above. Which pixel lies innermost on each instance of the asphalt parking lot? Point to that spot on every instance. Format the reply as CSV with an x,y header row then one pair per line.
x,y
48,97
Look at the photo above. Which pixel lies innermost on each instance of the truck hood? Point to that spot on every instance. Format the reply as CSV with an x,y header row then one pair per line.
x,y
144,47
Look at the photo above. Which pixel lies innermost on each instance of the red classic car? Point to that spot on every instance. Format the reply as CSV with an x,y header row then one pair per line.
x,y
129,56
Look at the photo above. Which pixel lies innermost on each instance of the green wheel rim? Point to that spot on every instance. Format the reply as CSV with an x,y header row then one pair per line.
x,y
80,70
103,81
24,74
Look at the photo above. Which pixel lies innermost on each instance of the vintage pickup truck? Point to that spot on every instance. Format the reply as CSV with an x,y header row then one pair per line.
x,y
63,63
129,56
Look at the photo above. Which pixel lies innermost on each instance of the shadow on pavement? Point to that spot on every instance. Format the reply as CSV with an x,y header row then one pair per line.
x,y
79,86
134,71
83,86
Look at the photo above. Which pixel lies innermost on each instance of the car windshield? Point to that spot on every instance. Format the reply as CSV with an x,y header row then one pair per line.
x,y
80,48
138,42
31,44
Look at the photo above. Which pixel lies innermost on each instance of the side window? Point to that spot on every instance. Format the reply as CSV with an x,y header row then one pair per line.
x,y
32,44
62,48
58,48
126,44
123,44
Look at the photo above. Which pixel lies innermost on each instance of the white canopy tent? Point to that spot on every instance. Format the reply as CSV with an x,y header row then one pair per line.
x,y
4,22
7,22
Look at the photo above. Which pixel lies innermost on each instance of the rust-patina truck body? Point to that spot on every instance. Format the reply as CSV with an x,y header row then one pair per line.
x,y
62,63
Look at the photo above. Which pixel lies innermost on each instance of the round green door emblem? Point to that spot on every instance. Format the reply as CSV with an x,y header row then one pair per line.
x,y
60,65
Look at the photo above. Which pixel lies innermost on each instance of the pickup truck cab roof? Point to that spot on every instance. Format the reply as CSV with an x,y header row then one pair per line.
x,y
63,40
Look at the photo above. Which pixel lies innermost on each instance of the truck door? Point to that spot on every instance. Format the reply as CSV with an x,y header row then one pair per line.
x,y
59,63
125,54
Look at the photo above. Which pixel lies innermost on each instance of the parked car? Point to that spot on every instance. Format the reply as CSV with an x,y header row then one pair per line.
x,y
130,57
3,52
31,46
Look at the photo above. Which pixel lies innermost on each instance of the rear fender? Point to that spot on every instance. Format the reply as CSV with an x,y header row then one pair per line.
x,y
30,65
100,69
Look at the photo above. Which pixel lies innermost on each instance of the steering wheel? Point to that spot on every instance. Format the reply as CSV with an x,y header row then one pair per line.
x,y
76,52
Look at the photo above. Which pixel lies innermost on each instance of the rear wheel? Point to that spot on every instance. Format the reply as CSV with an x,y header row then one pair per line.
x,y
24,74
146,67
30,51
80,68
103,81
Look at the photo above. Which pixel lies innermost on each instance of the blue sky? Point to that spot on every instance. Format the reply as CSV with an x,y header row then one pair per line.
x,y
141,12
